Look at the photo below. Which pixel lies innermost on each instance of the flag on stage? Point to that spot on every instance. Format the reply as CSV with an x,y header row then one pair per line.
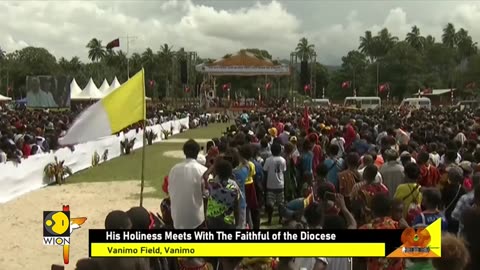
x,y
113,44
121,108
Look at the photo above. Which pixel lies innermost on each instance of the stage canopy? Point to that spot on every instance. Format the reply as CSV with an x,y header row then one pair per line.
x,y
90,92
4,98
75,90
243,64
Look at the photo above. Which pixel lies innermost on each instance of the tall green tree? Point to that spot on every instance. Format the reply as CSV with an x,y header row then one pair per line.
x,y
466,47
304,49
368,46
3,54
415,39
449,37
96,51
386,41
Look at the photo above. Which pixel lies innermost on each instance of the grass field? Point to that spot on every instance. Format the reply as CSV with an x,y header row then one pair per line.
x,y
128,167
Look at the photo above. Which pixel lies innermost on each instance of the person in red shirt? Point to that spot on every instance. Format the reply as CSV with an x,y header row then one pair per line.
x,y
381,209
349,135
317,151
24,147
429,174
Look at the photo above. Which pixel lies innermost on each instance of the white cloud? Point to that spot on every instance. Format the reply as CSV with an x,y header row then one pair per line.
x,y
65,27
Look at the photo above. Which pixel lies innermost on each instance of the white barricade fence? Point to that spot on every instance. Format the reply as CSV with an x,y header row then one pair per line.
x,y
16,180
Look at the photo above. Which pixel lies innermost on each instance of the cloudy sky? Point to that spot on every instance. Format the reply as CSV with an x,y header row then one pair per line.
x,y
215,28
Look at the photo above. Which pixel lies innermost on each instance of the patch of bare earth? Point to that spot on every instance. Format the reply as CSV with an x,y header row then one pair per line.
x,y
21,226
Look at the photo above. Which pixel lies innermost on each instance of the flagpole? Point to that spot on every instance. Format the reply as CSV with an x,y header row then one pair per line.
x,y
142,174
128,71
128,38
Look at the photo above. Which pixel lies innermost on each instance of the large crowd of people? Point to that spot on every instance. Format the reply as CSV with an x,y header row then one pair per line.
x,y
324,169
25,132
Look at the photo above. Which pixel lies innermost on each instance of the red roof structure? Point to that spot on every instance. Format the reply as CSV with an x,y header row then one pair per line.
x,y
243,63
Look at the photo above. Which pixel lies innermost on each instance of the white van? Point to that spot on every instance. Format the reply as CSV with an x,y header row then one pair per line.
x,y
468,104
363,102
318,102
417,103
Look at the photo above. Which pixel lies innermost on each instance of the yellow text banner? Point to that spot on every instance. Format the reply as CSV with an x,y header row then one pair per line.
x,y
237,249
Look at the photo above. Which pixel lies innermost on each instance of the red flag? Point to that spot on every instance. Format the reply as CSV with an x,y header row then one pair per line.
x,y
151,83
306,119
346,84
306,88
384,87
226,86
113,44
268,86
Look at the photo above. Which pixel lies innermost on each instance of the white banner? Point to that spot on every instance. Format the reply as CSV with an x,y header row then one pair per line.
x,y
16,180
243,70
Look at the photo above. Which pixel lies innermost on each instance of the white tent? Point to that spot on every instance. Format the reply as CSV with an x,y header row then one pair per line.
x,y
104,87
4,98
75,90
115,84
90,91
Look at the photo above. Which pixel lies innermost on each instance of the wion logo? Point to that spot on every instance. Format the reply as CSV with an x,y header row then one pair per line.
x,y
57,228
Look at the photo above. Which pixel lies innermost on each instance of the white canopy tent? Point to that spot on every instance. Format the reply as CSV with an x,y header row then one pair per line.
x,y
75,90
4,98
90,91
115,84
104,87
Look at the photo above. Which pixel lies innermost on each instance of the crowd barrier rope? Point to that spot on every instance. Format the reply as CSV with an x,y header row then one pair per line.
x,y
19,179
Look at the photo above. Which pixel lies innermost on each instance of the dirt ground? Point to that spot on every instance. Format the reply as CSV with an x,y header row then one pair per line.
x,y
21,227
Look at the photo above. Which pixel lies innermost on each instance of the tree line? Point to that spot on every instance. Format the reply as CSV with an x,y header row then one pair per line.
x,y
407,65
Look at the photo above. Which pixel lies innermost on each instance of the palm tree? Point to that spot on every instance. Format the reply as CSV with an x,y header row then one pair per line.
x,y
96,51
386,41
367,45
465,45
149,61
64,64
449,37
414,39
429,41
136,62
166,52
148,57
3,54
304,50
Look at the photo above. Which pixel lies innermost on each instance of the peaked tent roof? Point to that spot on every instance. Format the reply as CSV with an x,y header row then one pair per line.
x,y
243,63
4,98
115,84
104,87
75,90
90,91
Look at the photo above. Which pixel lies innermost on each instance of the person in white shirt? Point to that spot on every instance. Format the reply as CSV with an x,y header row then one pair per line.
x,y
185,187
274,168
340,142
366,161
